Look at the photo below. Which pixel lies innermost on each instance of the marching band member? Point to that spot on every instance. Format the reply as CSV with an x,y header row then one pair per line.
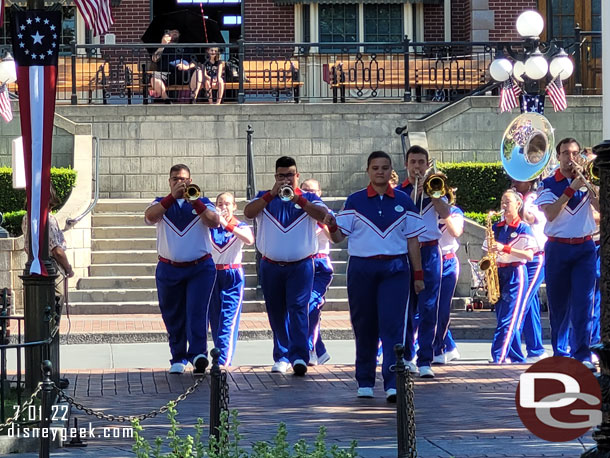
x,y
287,240
185,273
323,275
225,306
451,228
382,226
514,245
570,253
531,325
417,163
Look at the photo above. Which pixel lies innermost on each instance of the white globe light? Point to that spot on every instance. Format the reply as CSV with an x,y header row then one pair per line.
x,y
8,71
500,69
530,24
536,67
561,66
519,71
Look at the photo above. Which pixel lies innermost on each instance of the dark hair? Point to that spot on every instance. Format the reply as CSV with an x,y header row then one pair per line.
x,y
178,167
53,199
377,155
285,161
416,149
566,141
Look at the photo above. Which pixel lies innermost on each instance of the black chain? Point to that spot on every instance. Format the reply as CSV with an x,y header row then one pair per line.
x,y
23,408
409,385
224,391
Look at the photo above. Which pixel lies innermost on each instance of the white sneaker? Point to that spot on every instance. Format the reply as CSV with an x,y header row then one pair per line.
x,y
177,368
313,359
440,359
590,366
426,372
412,367
324,358
594,358
299,367
452,355
280,367
390,395
365,392
533,359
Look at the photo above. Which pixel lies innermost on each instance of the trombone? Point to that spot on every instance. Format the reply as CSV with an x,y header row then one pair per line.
x,y
590,174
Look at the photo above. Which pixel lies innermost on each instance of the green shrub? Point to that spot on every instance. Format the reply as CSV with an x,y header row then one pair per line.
x,y
479,185
12,222
481,217
12,200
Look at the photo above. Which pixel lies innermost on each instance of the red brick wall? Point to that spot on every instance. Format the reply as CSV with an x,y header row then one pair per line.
x,y
131,18
460,20
266,21
506,14
434,18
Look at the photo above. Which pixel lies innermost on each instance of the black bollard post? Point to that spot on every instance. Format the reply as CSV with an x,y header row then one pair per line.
x,y
45,415
215,381
405,408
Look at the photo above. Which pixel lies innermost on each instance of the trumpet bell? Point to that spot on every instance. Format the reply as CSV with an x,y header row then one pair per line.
x,y
193,192
286,193
527,146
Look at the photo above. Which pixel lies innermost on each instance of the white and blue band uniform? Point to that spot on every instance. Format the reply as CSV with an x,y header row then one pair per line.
x,y
323,276
512,275
424,315
570,268
443,342
531,324
226,303
378,275
287,240
185,278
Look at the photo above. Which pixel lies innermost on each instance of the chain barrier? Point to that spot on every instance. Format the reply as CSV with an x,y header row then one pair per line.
x,y
23,408
409,391
127,418
405,406
224,391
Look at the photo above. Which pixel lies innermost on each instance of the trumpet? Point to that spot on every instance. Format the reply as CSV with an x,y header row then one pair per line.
x,y
192,192
286,193
435,186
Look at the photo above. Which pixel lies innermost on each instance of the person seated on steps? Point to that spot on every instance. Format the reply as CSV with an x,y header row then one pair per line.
x,y
214,70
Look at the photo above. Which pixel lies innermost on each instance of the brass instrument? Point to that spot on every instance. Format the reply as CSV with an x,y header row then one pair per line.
x,y
286,192
590,174
435,186
488,263
192,192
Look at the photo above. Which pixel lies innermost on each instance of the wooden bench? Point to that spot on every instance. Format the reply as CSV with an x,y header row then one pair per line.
x,y
378,75
260,76
86,69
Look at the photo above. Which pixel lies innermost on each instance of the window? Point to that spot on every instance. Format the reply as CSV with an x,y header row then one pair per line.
x,y
383,23
338,23
306,23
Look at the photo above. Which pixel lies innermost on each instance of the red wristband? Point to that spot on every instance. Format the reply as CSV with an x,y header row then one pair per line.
x,y
333,229
569,192
267,197
229,227
507,249
167,201
302,201
418,275
198,206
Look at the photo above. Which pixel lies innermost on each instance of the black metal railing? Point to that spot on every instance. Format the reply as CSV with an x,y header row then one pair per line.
x,y
587,62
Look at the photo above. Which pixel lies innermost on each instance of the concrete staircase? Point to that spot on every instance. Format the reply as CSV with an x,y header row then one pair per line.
x,y
123,260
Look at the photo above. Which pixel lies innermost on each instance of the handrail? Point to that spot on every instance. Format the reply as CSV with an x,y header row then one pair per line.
x,y
70,222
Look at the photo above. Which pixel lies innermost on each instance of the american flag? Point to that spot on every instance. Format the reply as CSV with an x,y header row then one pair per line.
x,y
6,111
557,94
509,96
97,15
35,35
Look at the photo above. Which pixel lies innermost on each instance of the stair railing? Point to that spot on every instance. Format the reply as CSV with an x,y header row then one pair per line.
x,y
70,222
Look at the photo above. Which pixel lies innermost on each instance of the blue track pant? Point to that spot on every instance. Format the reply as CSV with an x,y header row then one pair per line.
x,y
184,298
595,332
378,293
531,325
287,289
225,311
570,281
443,342
323,275
428,303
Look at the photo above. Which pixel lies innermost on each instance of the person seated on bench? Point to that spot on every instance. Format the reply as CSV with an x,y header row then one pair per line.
x,y
173,69
214,70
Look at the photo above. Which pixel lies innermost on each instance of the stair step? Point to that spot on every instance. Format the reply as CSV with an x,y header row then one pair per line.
x,y
121,270
119,232
117,219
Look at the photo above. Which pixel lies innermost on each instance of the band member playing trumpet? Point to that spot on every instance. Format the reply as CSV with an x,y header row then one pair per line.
x,y
185,273
225,306
514,245
287,223
382,226
432,209
570,253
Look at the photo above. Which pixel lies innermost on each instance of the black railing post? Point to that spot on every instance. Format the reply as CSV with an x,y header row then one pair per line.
x,y
406,46
5,304
401,403
241,96
250,174
578,61
73,97
45,413
215,394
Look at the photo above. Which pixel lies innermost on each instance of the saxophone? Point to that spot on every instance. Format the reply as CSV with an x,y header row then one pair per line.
x,y
488,263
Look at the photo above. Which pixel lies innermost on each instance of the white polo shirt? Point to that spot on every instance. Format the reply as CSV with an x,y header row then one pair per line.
x,y
447,242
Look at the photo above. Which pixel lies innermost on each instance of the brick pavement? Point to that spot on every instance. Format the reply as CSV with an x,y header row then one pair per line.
x,y
467,411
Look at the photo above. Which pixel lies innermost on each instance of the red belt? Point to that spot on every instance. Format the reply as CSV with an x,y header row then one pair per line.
x,y
430,243
184,264
570,241
509,264
385,256
540,253
448,256
227,266
284,263
320,255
